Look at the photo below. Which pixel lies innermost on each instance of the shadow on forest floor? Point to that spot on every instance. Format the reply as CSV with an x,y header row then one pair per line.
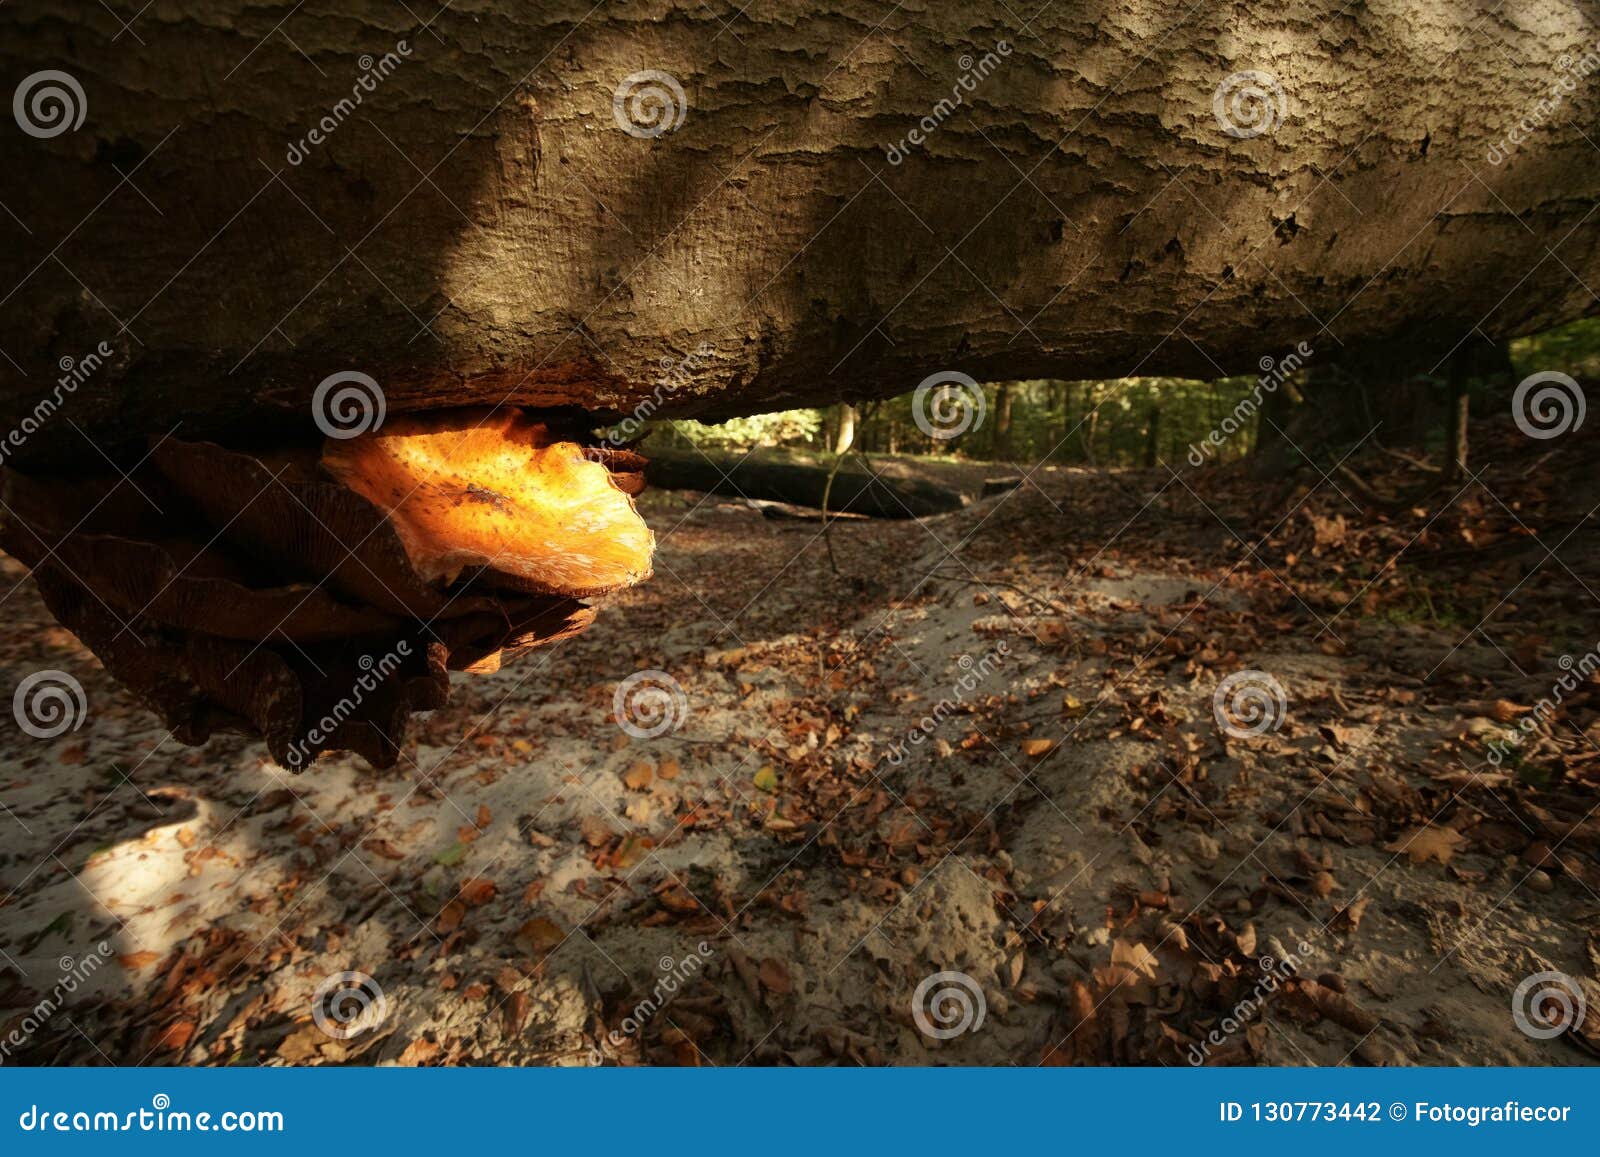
x,y
990,746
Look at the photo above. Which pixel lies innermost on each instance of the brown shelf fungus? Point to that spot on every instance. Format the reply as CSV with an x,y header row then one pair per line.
x,y
317,595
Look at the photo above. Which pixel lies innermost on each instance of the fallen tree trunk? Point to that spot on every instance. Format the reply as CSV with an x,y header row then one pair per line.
x,y
828,201
853,491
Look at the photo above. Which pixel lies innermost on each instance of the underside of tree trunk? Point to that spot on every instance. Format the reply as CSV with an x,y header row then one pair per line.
x,y
853,198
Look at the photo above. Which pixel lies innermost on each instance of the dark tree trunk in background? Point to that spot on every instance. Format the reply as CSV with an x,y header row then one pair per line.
x,y
1002,421
1091,420
479,228
1391,394
1152,437
1456,431
1273,453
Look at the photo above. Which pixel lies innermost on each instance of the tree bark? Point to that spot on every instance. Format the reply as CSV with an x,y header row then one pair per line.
x,y
1002,421
1091,421
1152,437
478,227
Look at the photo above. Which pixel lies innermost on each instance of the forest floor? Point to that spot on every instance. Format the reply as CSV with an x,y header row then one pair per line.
x,y
983,758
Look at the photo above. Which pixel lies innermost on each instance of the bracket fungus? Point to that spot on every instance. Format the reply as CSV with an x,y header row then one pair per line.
x,y
317,595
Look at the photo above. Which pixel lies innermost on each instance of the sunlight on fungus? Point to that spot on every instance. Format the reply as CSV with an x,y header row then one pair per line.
x,y
497,492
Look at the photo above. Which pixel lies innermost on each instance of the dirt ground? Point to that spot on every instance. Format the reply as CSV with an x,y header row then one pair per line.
x,y
968,798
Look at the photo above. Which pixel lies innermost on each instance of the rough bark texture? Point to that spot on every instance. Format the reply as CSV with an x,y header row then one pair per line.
x,y
480,228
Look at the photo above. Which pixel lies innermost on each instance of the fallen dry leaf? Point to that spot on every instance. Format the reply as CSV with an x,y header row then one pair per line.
x,y
539,936
1429,843
775,976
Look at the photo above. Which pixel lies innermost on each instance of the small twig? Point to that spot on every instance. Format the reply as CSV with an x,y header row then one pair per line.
x,y
1052,608
1414,462
827,489
827,523
1388,503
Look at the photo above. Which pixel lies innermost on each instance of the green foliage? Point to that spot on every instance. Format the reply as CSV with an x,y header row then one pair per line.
x,y
1123,422
787,427
1105,422
1572,349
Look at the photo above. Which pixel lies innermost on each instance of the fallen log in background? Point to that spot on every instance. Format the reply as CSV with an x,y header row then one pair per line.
x,y
854,490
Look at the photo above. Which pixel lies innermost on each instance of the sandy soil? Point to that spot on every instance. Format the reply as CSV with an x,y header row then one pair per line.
x,y
1108,875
